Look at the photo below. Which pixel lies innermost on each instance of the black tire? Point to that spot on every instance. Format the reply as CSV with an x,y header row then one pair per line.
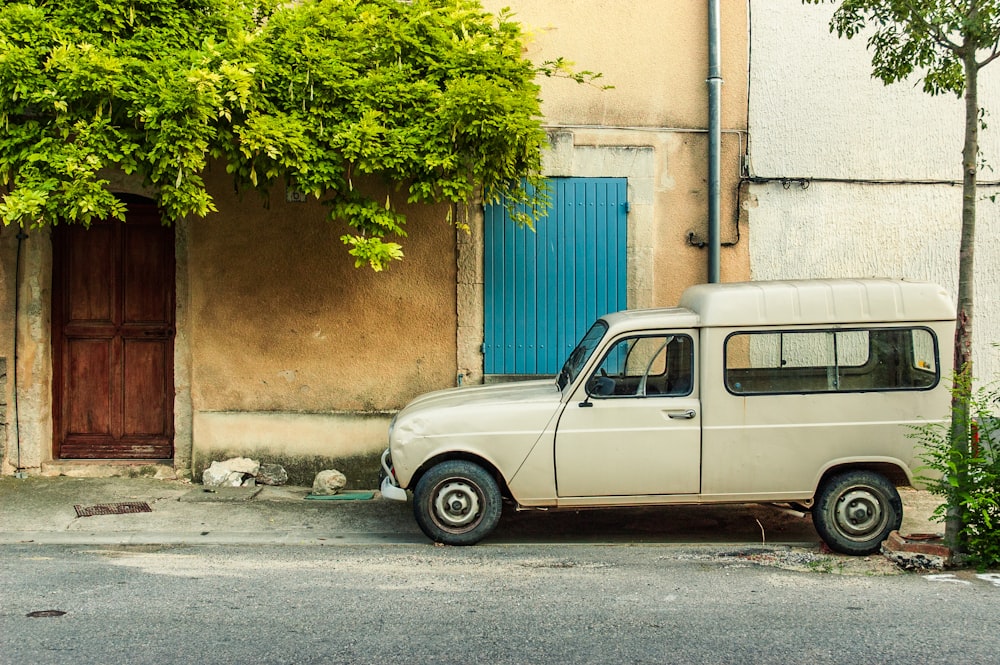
x,y
457,503
856,510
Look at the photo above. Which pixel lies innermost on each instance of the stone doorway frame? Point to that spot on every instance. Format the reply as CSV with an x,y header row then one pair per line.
x,y
33,425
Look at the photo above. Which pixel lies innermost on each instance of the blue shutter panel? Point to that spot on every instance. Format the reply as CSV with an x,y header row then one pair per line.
x,y
543,289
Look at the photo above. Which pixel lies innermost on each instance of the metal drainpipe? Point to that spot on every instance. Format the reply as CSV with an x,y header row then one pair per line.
x,y
714,141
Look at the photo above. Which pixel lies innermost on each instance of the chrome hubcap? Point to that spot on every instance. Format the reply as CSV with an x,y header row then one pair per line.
x,y
456,504
859,512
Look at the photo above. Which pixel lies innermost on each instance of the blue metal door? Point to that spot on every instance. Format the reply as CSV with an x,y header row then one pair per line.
x,y
543,289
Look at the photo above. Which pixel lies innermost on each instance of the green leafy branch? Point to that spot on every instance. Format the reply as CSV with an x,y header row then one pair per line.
x,y
431,97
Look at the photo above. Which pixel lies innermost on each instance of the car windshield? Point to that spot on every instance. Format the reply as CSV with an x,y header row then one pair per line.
x,y
578,358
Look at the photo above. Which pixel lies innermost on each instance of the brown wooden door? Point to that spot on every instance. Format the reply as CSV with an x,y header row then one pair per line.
x,y
113,338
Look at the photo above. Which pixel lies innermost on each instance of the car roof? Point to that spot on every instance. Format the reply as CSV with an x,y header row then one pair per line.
x,y
818,301
789,302
650,319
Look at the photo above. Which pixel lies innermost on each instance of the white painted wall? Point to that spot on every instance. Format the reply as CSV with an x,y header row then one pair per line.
x,y
815,112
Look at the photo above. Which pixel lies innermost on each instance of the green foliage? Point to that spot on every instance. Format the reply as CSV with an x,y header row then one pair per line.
x,y
926,37
91,85
966,473
433,98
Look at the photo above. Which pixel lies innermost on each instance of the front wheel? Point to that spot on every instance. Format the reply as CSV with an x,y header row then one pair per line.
x,y
457,503
856,510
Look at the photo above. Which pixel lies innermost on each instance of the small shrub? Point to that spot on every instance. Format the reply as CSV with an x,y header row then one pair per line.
x,y
965,473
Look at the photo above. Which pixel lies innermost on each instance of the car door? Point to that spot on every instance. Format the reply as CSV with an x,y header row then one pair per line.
x,y
634,426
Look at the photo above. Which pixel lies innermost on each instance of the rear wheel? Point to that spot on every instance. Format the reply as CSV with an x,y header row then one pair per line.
x,y
856,510
457,503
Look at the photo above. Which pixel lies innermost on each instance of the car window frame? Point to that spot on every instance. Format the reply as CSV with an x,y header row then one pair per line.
x,y
685,334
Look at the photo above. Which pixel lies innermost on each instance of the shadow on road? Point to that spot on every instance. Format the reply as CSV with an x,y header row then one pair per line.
x,y
738,523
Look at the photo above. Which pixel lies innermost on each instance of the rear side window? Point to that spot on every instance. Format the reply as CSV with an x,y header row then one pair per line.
x,y
820,361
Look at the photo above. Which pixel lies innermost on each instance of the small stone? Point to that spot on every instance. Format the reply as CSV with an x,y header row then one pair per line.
x,y
271,474
329,482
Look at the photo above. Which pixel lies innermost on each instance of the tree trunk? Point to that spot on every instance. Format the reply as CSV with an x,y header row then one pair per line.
x,y
963,330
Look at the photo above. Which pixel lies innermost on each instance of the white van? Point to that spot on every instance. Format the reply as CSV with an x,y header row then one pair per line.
x,y
797,392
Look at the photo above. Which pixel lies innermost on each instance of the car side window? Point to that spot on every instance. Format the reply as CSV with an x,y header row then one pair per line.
x,y
645,366
826,361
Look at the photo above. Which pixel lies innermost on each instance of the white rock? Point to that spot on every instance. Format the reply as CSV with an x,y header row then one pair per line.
x,y
243,465
215,475
234,479
222,474
329,482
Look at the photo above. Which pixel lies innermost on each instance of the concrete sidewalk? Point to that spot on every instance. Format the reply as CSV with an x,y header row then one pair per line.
x,y
42,510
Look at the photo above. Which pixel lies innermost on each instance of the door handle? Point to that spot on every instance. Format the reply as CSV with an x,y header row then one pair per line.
x,y
682,415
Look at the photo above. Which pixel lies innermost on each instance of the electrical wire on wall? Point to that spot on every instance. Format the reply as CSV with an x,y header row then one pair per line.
x,y
788,181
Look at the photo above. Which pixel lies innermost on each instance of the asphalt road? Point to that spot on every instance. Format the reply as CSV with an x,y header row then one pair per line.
x,y
488,604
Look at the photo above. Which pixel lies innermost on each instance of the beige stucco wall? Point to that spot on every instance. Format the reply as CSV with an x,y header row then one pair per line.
x,y
282,320
654,53
295,352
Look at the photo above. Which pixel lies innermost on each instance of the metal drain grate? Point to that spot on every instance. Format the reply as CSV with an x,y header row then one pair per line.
x,y
113,509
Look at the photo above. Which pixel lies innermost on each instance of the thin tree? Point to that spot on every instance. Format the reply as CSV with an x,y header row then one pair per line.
x,y
945,43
